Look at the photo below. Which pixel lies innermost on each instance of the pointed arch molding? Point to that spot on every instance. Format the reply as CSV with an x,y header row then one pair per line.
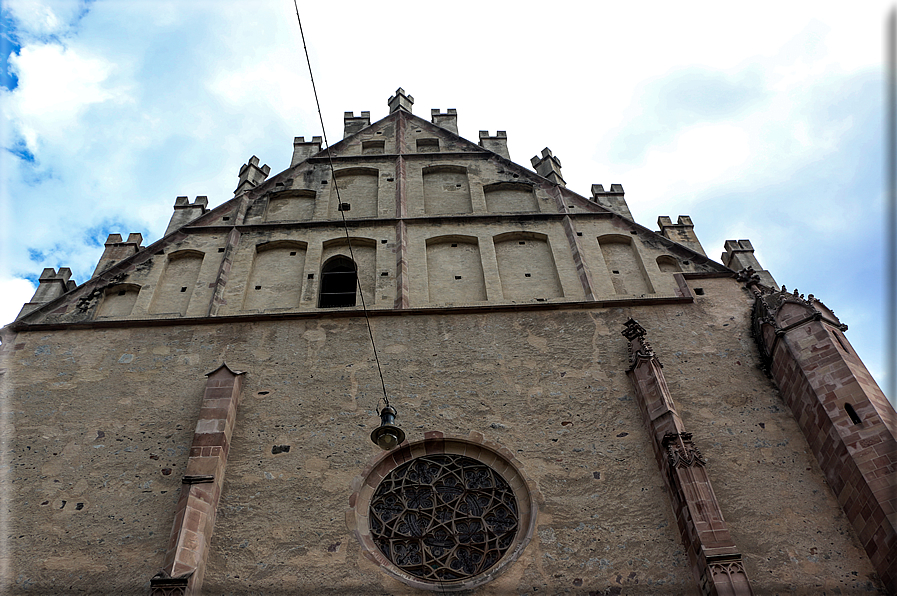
x,y
475,469
184,565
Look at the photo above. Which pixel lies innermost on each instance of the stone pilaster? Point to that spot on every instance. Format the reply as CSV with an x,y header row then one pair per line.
x,y
188,547
715,560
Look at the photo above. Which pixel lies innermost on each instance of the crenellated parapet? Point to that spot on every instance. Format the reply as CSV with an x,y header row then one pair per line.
x,y
353,124
548,166
303,149
683,232
613,199
185,211
447,120
117,250
497,144
251,175
51,285
400,101
848,422
739,254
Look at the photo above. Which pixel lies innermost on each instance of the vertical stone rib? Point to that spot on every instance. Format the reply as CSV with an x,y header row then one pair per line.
x,y
188,547
585,276
715,560
233,238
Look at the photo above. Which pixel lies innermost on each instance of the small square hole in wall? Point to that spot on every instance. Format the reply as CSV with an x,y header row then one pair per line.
x,y
344,207
454,246
540,299
515,175
220,250
122,293
383,242
323,182
226,218
521,242
311,276
699,291
384,274
685,262
457,277
293,253
633,231
579,233
616,272
572,206
258,287
527,275
390,179
184,289
379,132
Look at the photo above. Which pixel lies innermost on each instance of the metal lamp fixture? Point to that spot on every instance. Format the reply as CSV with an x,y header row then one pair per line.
x,y
387,435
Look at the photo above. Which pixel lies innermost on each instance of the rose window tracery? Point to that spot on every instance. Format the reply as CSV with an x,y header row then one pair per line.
x,y
444,517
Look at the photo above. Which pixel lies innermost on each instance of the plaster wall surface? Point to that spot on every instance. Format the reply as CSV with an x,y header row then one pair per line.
x,y
108,426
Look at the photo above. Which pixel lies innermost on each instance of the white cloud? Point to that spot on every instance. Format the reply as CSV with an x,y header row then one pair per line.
x,y
135,103
14,292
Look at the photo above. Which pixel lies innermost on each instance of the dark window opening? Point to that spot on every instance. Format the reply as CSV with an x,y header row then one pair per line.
x,y
579,233
220,250
311,276
184,289
293,253
699,291
384,274
258,287
338,283
616,272
527,275
226,218
383,242
122,292
854,417
344,207
633,231
457,277
454,245
521,242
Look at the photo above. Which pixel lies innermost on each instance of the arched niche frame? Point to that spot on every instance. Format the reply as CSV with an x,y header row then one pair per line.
x,y
443,456
118,300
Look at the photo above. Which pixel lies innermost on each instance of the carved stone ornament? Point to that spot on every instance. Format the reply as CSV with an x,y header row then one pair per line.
x,y
681,451
639,348
163,584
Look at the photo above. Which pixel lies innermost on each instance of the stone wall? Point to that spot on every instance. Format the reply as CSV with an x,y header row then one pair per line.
x,y
99,422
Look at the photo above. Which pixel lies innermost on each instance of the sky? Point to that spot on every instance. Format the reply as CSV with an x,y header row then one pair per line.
x,y
763,123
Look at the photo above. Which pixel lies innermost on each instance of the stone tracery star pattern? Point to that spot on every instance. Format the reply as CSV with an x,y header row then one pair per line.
x,y
444,517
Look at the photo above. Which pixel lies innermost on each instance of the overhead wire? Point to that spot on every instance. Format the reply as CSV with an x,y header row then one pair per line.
x,y
342,212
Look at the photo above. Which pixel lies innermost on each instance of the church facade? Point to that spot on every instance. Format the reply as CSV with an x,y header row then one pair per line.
x,y
589,406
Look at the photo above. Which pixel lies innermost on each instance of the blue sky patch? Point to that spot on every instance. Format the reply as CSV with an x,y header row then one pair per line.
x,y
8,45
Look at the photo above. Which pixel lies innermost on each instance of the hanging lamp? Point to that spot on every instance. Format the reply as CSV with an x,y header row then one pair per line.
x,y
387,435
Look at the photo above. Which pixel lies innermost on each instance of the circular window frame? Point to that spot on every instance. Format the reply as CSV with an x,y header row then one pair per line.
x,y
501,460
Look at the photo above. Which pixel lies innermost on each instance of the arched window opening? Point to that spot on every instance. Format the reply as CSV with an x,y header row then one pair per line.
x,y
854,417
339,282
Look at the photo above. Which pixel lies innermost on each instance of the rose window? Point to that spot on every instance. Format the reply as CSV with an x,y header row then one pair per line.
x,y
443,518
